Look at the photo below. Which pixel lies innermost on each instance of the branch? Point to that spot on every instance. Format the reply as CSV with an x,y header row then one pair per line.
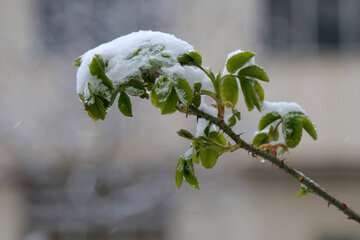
x,y
308,182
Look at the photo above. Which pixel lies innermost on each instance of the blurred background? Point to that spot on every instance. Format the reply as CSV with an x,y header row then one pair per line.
x,y
65,177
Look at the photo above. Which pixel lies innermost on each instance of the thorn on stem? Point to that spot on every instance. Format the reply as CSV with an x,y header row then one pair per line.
x,y
344,205
301,179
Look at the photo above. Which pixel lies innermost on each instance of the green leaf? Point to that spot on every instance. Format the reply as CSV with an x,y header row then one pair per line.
x,y
189,174
208,158
192,59
268,119
96,110
303,191
292,130
259,91
260,139
217,138
124,104
183,91
97,69
185,134
253,93
309,127
163,89
167,107
135,88
230,89
77,62
197,57
197,87
238,60
236,114
232,121
273,134
179,172
196,158
254,71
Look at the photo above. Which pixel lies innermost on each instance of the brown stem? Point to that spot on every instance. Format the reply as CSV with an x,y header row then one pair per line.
x,y
308,182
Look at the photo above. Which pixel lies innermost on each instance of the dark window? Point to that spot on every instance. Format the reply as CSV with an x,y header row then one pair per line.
x,y
80,24
312,24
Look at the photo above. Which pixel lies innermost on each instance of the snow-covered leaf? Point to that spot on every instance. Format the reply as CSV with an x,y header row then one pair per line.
x,y
163,89
268,119
97,69
292,130
238,60
183,91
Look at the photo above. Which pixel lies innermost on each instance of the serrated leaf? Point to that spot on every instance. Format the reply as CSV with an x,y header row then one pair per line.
x,y
260,139
183,91
192,59
185,134
189,174
237,61
230,90
179,172
292,130
97,69
135,88
208,158
309,127
268,119
124,104
77,62
217,138
254,71
163,88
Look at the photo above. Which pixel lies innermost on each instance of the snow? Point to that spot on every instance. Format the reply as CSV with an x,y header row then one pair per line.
x,y
124,59
282,108
251,62
202,123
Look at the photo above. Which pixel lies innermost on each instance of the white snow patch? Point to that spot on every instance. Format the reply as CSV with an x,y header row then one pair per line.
x,y
122,62
281,107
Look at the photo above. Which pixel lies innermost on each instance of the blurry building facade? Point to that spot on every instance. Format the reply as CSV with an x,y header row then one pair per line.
x,y
66,177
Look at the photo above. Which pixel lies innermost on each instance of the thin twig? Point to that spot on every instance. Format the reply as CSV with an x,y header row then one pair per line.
x,y
308,182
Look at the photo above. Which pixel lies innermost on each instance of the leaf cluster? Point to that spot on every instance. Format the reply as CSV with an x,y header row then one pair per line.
x,y
172,93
